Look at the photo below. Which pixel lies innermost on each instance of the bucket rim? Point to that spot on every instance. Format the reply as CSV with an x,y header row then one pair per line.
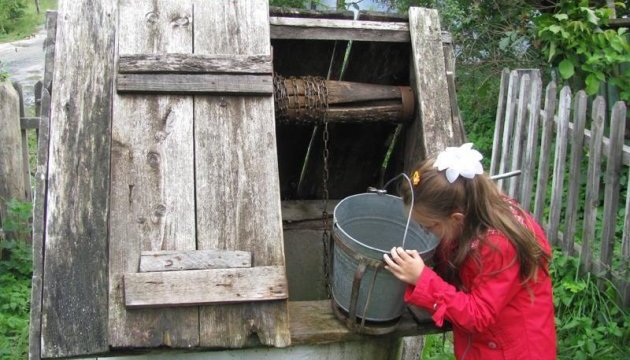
x,y
335,224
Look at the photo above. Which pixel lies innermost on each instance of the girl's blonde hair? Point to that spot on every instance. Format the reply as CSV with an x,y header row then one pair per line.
x,y
484,207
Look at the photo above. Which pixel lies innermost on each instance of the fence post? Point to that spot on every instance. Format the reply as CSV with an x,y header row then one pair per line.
x,y
11,179
26,173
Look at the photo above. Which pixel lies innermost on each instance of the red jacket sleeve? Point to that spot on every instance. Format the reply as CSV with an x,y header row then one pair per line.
x,y
495,283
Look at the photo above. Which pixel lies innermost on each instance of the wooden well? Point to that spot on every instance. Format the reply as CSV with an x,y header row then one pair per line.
x,y
164,155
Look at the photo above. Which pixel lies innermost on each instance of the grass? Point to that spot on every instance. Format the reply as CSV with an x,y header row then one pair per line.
x,y
27,24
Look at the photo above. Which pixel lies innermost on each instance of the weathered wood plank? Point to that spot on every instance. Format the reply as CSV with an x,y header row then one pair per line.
x,y
199,287
313,322
195,84
545,150
74,312
29,123
195,63
25,171
458,122
152,187
49,49
330,29
557,183
591,203
625,253
39,212
519,135
238,198
499,122
508,125
575,171
531,146
300,210
436,130
40,191
611,179
11,162
175,260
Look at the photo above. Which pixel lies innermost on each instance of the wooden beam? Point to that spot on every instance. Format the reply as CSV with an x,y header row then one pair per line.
x,y
77,205
195,63
432,129
195,84
329,29
193,260
313,322
202,287
29,123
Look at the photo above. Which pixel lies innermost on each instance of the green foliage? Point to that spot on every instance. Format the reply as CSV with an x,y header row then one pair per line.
x,y
19,18
574,39
438,347
300,4
15,282
590,323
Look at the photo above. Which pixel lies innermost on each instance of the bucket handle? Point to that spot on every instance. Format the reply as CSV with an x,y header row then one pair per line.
x,y
384,191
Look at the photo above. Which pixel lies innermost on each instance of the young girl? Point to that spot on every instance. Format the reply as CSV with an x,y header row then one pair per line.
x,y
491,278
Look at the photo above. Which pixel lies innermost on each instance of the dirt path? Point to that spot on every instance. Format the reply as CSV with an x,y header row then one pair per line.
x,y
24,60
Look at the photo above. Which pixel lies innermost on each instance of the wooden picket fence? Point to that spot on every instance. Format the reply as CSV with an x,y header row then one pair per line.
x,y
578,216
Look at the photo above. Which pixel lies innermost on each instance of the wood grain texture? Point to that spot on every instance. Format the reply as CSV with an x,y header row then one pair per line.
x,y
498,123
25,171
39,212
195,84
508,126
237,185
531,145
559,163
199,287
625,254
591,203
74,311
436,129
175,260
612,181
545,150
152,186
333,29
27,123
11,163
575,170
518,138
194,63
40,190
313,322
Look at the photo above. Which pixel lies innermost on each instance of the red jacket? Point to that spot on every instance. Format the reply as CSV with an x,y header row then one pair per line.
x,y
497,318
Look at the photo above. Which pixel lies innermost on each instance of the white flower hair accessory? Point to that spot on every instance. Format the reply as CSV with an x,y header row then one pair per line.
x,y
460,161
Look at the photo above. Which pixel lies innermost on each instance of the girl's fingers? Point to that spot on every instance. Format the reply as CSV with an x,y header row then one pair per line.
x,y
402,253
392,265
413,253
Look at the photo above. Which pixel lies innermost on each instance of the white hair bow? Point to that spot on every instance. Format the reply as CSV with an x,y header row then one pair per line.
x,y
460,161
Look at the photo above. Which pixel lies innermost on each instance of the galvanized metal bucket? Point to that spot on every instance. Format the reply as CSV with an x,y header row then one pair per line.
x,y
366,226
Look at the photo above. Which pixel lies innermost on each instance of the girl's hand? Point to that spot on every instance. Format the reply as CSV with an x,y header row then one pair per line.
x,y
406,265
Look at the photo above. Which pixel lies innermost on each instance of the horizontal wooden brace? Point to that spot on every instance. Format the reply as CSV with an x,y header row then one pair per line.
x,y
174,260
201,287
192,63
29,123
195,84
340,29
329,29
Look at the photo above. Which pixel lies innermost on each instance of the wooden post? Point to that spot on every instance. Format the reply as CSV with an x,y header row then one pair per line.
x,y
11,162
557,184
74,309
531,146
498,124
433,129
575,171
591,202
510,113
26,173
519,134
611,191
40,190
545,150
